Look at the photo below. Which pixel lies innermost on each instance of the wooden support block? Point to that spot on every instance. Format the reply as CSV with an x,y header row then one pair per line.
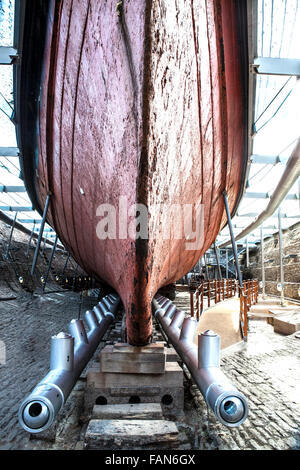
x,y
128,411
131,434
171,355
173,376
106,388
126,359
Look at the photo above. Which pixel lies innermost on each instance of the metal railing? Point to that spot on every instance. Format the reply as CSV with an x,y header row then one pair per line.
x,y
248,297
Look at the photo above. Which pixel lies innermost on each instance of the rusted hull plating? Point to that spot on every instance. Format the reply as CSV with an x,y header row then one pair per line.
x,y
145,103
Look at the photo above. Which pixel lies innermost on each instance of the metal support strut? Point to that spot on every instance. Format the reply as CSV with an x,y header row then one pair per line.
x,y
218,262
50,263
29,242
228,404
65,265
233,243
281,258
38,244
69,355
10,237
262,249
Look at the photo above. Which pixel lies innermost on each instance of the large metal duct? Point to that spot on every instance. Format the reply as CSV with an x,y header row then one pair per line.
x,y
228,404
289,177
69,355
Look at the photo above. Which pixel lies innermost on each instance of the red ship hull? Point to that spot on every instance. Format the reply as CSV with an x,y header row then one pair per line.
x,y
144,104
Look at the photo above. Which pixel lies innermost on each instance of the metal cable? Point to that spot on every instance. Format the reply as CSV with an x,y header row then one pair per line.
x,y
278,93
279,107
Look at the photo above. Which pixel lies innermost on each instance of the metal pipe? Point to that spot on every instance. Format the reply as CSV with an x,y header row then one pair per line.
x,y
228,404
218,262
45,239
247,253
281,258
288,179
50,263
206,268
29,243
37,248
10,237
226,264
262,249
233,244
69,355
65,265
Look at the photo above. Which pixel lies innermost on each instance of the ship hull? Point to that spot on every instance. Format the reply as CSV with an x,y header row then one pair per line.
x,y
144,104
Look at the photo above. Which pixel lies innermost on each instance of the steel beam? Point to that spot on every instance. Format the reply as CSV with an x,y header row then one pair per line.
x,y
262,249
46,230
233,243
226,264
9,151
37,248
253,235
12,189
16,208
29,243
44,244
206,266
270,227
247,253
50,262
65,265
256,214
30,221
218,262
276,66
10,237
281,258
268,159
253,195
7,55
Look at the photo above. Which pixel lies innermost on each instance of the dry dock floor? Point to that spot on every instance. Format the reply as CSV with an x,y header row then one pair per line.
x,y
266,371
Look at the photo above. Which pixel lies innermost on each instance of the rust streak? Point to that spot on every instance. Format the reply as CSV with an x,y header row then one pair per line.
x,y
73,137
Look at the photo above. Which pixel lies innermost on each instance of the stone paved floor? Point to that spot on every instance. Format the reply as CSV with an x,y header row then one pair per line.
x,y
26,326
267,372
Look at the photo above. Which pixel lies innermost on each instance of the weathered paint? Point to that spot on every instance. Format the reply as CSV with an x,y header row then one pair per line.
x,y
146,104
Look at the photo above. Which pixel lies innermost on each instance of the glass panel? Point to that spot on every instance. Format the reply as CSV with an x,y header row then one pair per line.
x,y
278,29
6,22
277,114
7,128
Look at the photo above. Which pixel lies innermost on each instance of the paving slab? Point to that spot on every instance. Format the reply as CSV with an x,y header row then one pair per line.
x,y
131,434
287,326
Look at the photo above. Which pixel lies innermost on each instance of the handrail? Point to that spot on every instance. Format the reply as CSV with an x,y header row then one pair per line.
x,y
219,290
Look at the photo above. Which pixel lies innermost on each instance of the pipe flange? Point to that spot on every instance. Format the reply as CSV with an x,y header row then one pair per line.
x,y
36,414
231,409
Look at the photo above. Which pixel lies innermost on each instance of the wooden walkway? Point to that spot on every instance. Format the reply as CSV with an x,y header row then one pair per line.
x,y
223,318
